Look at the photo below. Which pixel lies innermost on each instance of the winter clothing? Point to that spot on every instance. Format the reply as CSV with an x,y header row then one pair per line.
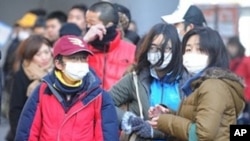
x,y
26,80
241,66
68,45
215,101
89,115
124,93
35,73
111,63
132,123
172,99
17,100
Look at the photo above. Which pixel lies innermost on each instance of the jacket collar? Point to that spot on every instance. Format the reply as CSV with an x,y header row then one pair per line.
x,y
112,45
210,73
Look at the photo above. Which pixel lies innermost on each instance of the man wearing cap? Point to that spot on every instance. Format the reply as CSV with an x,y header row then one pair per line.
x,y
185,18
69,104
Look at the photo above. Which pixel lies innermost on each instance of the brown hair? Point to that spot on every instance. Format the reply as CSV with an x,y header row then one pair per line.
x,y
28,48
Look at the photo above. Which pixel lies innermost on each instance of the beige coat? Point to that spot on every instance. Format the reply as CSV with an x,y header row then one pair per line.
x,y
216,101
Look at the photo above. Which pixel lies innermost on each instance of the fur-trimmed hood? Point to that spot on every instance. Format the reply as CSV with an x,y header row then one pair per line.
x,y
219,73
234,82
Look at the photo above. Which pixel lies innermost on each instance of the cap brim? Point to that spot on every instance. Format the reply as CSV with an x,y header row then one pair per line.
x,y
73,51
172,19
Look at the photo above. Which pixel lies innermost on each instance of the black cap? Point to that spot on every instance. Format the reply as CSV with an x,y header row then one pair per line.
x,y
70,29
195,16
186,13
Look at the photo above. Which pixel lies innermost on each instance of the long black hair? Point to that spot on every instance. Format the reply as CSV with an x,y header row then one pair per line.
x,y
169,33
210,43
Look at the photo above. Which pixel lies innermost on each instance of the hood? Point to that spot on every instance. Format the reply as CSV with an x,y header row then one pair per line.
x,y
234,82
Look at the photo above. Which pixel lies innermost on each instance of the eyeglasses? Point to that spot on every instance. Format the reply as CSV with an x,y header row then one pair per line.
x,y
155,48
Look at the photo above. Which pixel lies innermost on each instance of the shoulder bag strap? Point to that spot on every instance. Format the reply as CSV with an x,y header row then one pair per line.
x,y
135,78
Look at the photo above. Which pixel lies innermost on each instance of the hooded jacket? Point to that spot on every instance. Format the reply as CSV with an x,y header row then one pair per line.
x,y
91,115
215,101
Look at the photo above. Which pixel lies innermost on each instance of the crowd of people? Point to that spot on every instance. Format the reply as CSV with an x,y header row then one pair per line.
x,y
88,75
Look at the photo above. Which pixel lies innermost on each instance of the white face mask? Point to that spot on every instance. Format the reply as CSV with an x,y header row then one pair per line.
x,y
23,34
195,62
153,58
76,71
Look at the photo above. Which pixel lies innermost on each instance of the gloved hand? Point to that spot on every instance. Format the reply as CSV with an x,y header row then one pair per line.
x,y
132,123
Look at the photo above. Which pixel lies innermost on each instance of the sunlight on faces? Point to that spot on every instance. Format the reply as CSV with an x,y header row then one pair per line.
x,y
77,17
43,57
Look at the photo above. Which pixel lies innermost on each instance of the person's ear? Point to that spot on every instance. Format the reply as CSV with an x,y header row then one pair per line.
x,y
189,27
58,64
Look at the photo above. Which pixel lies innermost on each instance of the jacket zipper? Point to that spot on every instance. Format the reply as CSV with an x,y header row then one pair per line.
x,y
65,120
162,92
66,117
104,67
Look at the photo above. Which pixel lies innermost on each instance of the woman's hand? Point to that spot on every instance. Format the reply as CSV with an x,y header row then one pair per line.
x,y
153,122
157,110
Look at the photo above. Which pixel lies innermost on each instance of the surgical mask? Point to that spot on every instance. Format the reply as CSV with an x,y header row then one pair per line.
x,y
23,34
195,62
76,71
154,57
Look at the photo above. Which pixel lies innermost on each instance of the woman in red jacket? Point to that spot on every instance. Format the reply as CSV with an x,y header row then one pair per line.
x,y
240,64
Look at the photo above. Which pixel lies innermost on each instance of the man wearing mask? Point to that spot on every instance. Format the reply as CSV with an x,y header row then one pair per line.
x,y
185,18
112,55
69,104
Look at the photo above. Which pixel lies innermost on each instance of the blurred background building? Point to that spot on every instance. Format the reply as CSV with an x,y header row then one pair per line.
x,y
229,17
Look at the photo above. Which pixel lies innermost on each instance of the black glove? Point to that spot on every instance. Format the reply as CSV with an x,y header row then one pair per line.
x,y
137,125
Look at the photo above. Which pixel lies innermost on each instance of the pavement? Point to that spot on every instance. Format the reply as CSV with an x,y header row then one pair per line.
x,y
4,127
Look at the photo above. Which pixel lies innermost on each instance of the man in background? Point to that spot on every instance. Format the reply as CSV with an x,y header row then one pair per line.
x,y
185,18
112,55
54,22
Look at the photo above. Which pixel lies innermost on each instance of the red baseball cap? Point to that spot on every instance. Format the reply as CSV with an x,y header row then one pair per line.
x,y
68,45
